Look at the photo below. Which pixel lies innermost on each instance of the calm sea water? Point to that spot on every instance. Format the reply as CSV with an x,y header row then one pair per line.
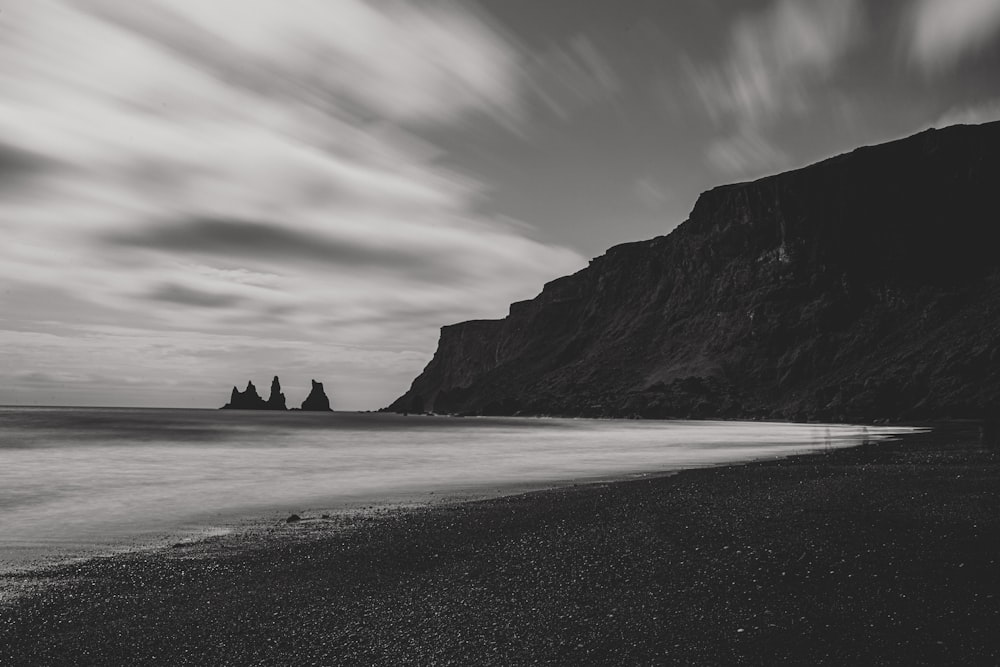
x,y
77,479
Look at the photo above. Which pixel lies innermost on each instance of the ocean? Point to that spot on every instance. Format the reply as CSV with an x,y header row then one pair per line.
x,y
77,481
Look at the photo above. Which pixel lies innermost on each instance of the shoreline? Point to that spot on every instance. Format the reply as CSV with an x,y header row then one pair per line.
x,y
133,535
882,552
240,523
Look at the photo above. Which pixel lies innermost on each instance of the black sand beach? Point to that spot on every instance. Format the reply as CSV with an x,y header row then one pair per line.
x,y
880,554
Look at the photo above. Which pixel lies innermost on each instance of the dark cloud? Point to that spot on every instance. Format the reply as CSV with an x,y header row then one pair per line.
x,y
260,240
186,296
18,165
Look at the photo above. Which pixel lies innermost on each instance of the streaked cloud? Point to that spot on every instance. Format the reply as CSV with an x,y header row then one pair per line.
x,y
255,163
746,154
571,76
971,114
191,297
21,170
652,194
942,32
400,60
774,56
16,162
244,239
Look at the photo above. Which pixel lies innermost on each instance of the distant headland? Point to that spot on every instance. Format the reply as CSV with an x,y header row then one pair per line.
x,y
249,399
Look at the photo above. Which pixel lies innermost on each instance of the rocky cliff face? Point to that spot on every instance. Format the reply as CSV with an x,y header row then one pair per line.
x,y
317,400
865,286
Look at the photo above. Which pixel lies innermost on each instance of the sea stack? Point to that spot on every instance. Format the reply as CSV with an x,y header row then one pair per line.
x,y
248,399
317,400
276,401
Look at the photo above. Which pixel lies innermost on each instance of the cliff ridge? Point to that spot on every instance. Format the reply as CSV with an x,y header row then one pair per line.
x,y
865,286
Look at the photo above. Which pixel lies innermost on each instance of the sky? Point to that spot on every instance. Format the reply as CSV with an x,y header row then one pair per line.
x,y
197,193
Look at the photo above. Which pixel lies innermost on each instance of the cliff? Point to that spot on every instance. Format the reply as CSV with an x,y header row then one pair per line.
x,y
865,286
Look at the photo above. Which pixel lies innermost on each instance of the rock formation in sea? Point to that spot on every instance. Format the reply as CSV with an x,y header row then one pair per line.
x,y
317,400
276,401
866,286
247,399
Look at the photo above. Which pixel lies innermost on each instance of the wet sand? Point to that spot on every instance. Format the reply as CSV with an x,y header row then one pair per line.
x,y
881,554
